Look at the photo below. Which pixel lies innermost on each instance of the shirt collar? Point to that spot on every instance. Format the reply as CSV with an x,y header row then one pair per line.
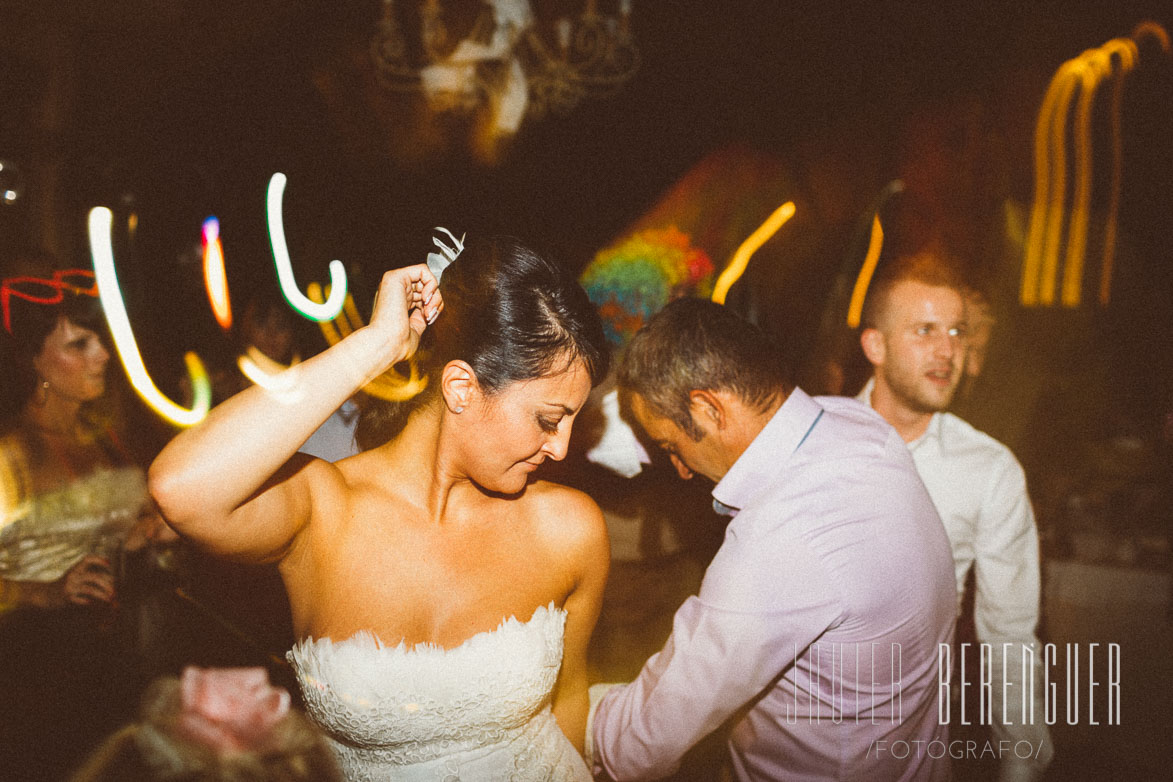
x,y
865,394
780,437
933,430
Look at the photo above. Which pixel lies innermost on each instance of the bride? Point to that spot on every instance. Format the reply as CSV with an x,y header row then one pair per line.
x,y
443,597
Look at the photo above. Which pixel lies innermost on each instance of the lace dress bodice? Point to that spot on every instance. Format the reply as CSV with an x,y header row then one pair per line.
x,y
479,711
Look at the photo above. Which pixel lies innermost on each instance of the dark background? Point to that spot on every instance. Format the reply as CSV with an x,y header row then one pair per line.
x,y
177,109
189,107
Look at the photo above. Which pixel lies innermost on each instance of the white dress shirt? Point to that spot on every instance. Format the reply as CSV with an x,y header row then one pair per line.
x,y
334,439
979,490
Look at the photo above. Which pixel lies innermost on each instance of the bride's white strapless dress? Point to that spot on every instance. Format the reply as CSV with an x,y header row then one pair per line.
x,y
479,711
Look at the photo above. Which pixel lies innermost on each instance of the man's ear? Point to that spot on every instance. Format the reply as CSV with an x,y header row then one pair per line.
x,y
872,342
707,409
458,386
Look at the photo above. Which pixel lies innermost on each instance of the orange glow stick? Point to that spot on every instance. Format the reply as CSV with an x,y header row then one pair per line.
x,y
740,259
215,278
864,278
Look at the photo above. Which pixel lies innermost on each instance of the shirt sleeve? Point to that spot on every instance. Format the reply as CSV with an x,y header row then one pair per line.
x,y
1006,559
1006,609
759,605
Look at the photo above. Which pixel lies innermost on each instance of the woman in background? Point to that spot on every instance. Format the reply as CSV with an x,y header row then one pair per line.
x,y
72,501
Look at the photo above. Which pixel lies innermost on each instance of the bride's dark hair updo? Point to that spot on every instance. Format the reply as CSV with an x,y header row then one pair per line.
x,y
511,315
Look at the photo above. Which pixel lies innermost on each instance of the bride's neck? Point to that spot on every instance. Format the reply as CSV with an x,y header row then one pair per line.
x,y
427,452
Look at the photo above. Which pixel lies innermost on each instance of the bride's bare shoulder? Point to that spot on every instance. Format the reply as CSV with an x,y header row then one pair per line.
x,y
567,516
555,497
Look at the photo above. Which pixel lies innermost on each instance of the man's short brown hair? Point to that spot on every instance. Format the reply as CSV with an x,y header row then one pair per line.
x,y
931,266
694,344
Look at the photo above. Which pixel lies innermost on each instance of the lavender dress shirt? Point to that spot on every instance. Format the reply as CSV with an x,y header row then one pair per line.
x,y
818,620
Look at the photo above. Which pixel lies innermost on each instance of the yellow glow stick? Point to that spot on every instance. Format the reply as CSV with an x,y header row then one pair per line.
x,y
1032,259
264,371
864,279
309,309
1052,233
1099,65
1114,194
102,250
1089,79
1046,235
740,259
391,385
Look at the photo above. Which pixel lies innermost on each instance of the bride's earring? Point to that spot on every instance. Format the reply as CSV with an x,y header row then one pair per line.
x,y
458,410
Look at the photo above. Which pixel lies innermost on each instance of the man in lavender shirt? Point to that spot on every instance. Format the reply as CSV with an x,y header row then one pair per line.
x,y
818,622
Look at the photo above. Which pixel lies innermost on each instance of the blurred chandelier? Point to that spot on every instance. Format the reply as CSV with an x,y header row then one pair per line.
x,y
505,64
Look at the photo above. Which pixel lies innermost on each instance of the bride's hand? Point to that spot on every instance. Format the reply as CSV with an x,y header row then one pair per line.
x,y
407,301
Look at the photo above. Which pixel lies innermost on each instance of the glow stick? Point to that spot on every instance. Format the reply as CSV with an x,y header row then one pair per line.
x,y
740,259
264,371
391,385
309,309
215,278
102,250
864,279
1046,234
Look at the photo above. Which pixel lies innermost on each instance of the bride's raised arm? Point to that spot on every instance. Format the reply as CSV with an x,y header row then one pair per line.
x,y
222,483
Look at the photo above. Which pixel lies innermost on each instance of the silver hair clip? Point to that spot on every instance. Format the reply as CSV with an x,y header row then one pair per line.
x,y
438,262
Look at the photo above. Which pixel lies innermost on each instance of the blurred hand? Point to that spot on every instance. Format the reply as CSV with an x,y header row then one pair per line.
x,y
407,301
88,582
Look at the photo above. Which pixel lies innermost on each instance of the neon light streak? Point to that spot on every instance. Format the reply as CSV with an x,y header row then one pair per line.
x,y
215,279
864,279
740,259
1114,193
1029,294
1154,30
309,309
1099,66
1089,79
1046,235
102,250
1142,30
264,371
1054,224
391,385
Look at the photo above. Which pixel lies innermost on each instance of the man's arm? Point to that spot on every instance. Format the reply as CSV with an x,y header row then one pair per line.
x,y
1006,611
727,645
